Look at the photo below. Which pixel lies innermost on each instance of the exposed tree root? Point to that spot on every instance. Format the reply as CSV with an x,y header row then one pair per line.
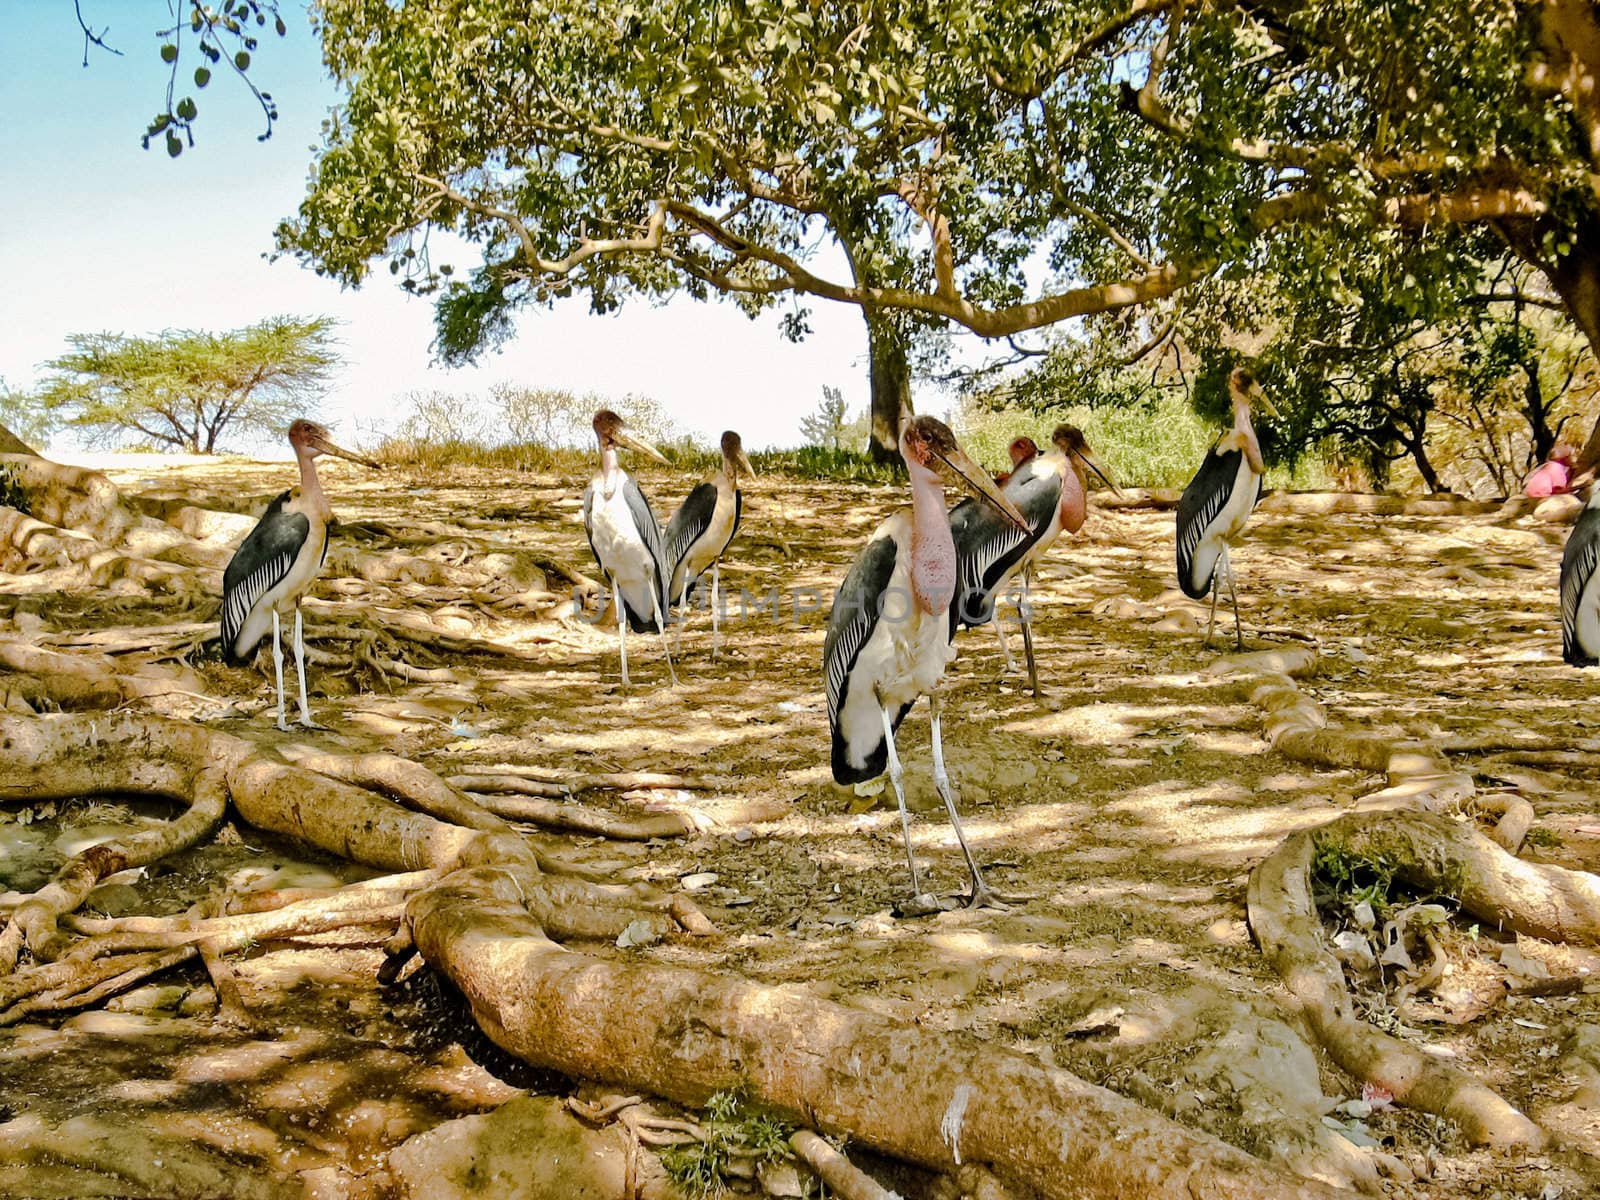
x,y
680,1033
932,1099
568,782
835,1170
572,818
1433,854
34,920
51,679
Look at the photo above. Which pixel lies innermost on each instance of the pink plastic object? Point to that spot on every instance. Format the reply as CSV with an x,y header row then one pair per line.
x,y
1552,479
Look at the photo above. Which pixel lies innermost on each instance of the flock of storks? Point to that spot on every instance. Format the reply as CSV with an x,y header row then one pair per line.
x,y
924,572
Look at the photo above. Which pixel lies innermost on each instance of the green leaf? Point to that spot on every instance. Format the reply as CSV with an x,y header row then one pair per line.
x,y
187,109
202,76
169,53
242,60
174,144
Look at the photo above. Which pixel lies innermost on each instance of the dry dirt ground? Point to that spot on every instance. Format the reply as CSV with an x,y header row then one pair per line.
x,y
1130,805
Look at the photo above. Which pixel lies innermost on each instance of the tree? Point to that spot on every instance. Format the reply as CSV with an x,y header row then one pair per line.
x,y
830,426
23,421
225,35
188,389
614,149
1138,146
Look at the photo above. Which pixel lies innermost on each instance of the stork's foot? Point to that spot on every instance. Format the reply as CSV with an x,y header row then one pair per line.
x,y
307,721
983,896
924,904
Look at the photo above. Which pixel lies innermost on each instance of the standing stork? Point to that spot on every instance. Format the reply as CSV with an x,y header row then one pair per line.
x,y
1021,450
699,532
278,562
626,539
889,636
1052,492
1580,587
1218,502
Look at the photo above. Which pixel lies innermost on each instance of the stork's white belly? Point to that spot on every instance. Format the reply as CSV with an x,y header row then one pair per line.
x,y
620,550
282,599
1587,626
1228,524
905,657
1231,520
710,545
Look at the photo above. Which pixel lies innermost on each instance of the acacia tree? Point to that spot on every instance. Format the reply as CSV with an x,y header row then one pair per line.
x,y
189,389
1133,147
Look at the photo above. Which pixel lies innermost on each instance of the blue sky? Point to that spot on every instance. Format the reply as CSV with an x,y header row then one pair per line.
x,y
99,234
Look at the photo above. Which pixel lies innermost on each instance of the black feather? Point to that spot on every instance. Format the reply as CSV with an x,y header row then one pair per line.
x,y
260,563
1578,563
1203,500
854,616
989,545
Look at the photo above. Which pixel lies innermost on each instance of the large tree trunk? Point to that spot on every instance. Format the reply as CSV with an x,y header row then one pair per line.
x,y
891,384
1576,279
1419,455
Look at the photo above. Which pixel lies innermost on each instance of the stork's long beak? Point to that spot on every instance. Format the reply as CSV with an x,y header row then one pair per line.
x,y
978,481
624,438
1260,398
327,447
1095,467
741,463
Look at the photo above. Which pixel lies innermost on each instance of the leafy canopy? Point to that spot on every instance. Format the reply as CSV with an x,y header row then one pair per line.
x,y
996,164
188,389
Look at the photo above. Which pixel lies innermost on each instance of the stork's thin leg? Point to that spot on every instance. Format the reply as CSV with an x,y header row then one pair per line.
x,y
661,628
1238,631
1025,612
716,605
277,662
1216,587
1005,647
622,626
895,776
300,668
981,896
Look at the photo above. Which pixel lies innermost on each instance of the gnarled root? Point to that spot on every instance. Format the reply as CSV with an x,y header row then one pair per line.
x,y
1431,853
34,920
925,1097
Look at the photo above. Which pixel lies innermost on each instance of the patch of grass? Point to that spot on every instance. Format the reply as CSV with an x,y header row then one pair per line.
x,y
734,1129
12,494
1544,837
1351,877
1155,445
807,462
1348,876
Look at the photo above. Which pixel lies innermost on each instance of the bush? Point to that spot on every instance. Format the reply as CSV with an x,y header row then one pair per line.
x,y
1158,444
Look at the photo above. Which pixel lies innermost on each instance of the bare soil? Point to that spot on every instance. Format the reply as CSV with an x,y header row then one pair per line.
x,y
1131,805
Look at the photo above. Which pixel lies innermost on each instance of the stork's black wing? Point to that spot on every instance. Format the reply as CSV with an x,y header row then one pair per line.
x,y
685,528
989,545
1203,501
644,520
1578,563
259,565
856,607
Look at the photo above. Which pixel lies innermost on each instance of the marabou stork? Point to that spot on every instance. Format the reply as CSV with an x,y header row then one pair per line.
x,y
626,539
889,631
699,532
1021,450
1218,502
278,562
1580,587
1052,492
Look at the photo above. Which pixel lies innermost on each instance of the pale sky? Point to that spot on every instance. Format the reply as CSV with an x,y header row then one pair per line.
x,y
97,234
